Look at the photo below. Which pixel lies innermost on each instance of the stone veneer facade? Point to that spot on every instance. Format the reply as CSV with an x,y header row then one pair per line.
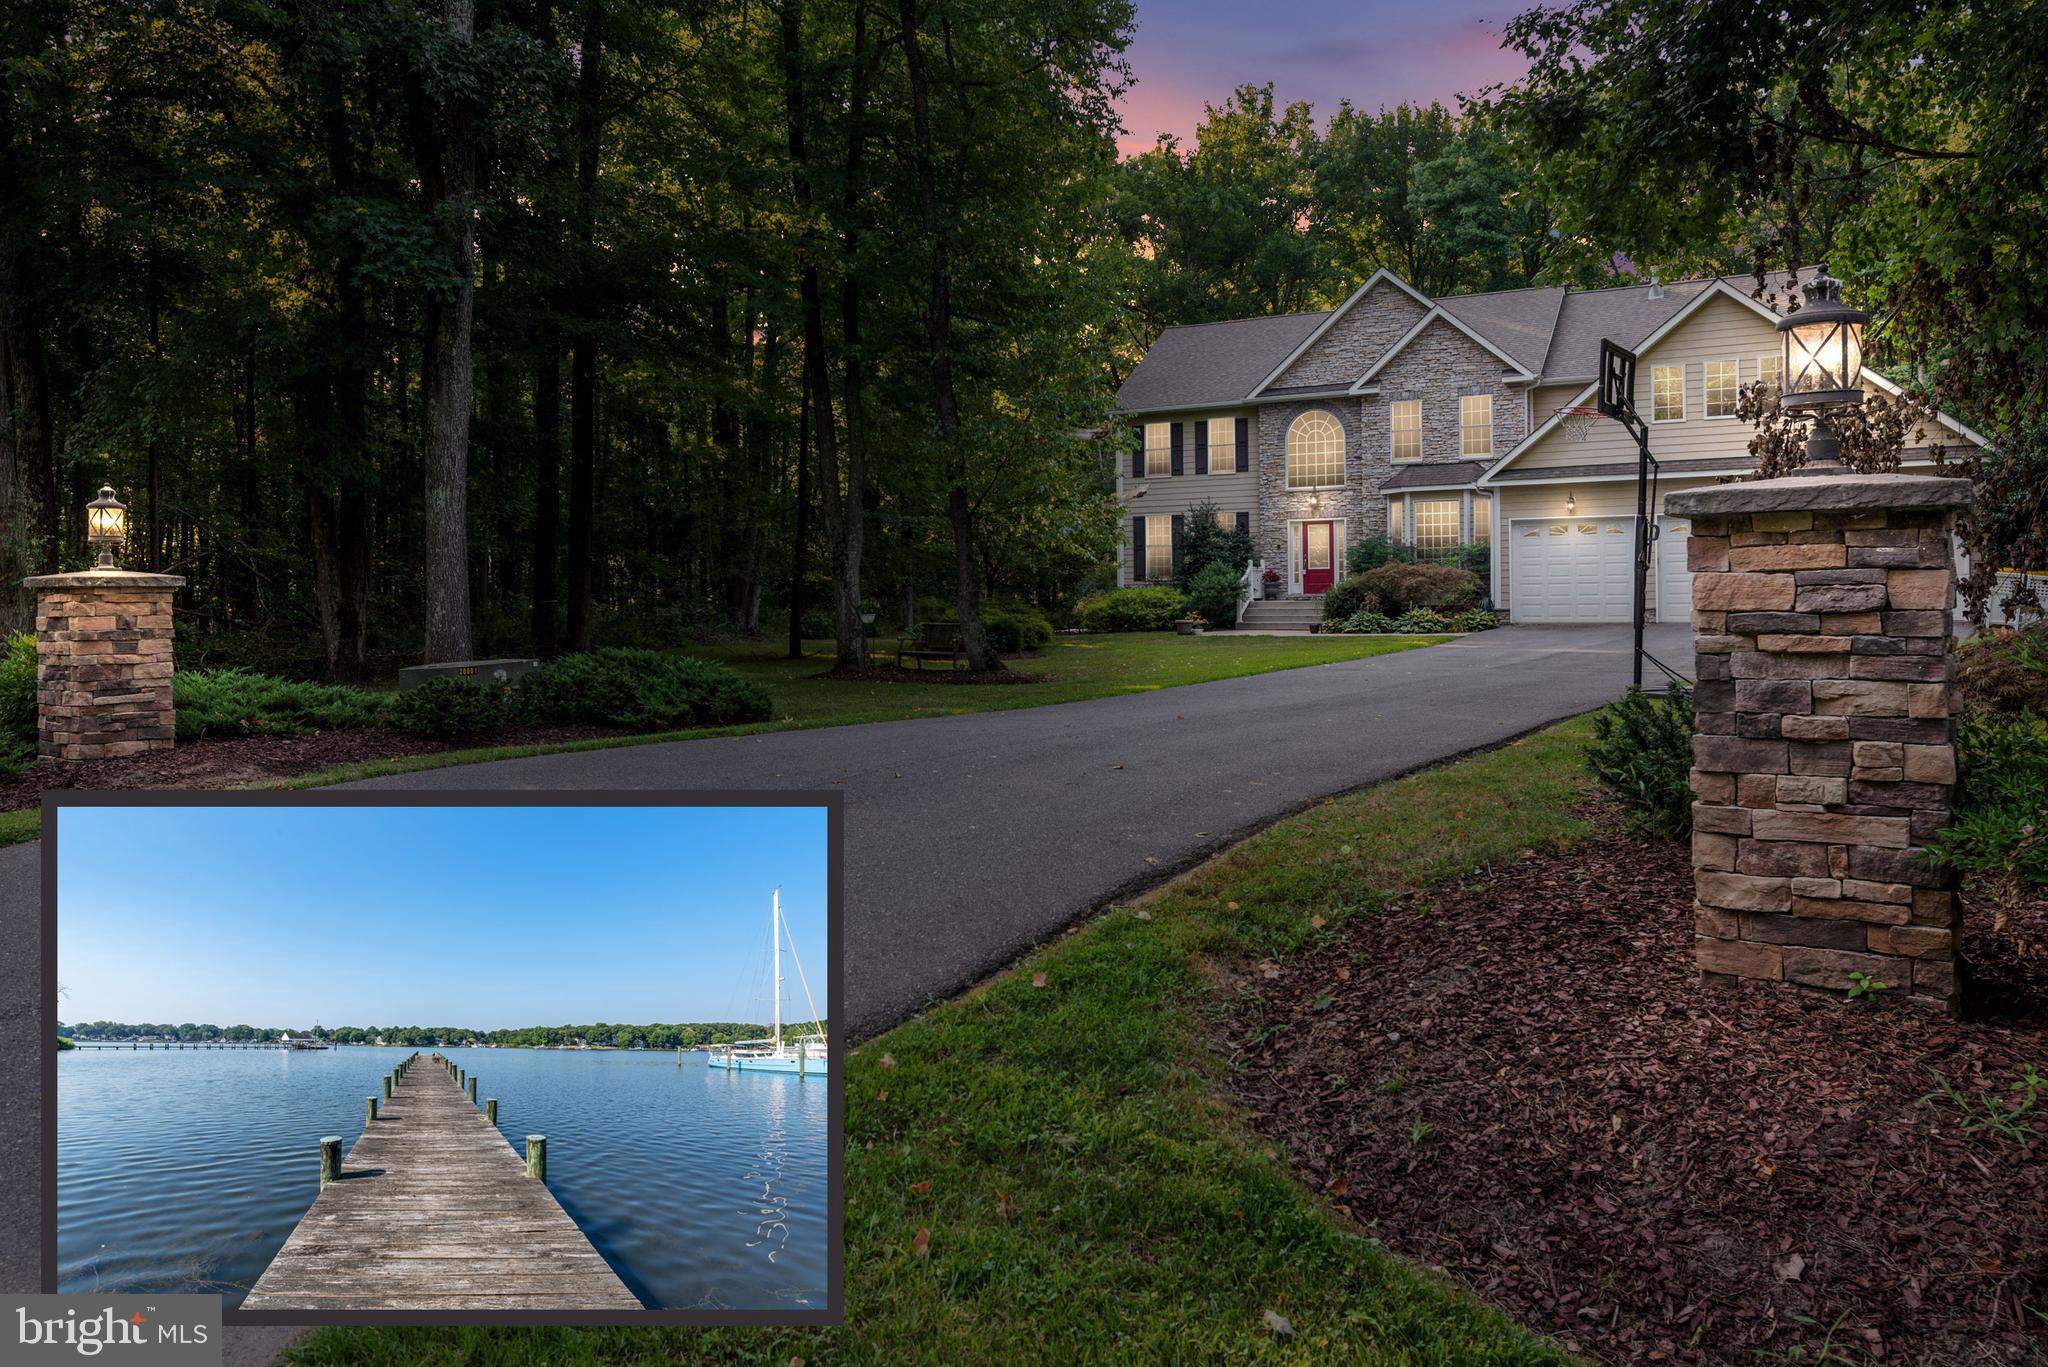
x,y
1824,754
103,663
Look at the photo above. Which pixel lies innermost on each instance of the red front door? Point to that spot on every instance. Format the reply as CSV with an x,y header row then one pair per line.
x,y
1318,556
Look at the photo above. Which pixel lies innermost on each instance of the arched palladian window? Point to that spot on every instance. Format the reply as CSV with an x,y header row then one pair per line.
x,y
1315,451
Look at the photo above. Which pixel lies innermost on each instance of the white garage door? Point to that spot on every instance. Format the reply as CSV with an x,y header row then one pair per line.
x,y
1571,569
1674,579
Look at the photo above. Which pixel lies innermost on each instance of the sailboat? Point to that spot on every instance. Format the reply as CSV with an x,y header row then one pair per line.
x,y
802,1055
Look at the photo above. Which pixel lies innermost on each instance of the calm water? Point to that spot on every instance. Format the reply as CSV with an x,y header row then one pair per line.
x,y
185,1170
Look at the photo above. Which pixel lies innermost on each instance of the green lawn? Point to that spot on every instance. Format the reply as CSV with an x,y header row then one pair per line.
x,y
1084,1191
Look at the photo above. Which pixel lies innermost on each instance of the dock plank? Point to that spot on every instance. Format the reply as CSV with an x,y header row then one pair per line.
x,y
434,1210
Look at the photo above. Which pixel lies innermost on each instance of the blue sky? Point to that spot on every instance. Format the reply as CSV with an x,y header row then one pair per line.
x,y
490,917
1191,52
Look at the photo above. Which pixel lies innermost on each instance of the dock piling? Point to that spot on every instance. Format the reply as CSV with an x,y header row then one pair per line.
x,y
537,1157
369,1111
472,1091
387,1086
330,1158
491,1109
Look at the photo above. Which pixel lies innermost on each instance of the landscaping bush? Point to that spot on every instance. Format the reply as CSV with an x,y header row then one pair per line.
x,y
1213,594
1364,622
2000,831
1376,551
1642,753
1421,621
1011,629
1473,619
1204,542
241,702
448,707
818,625
2003,673
1401,588
1152,608
640,690
18,688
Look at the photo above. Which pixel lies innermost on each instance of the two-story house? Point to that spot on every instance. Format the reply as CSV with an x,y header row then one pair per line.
x,y
1440,422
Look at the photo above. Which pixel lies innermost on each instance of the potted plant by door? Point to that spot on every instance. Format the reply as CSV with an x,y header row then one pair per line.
x,y
1271,581
1190,624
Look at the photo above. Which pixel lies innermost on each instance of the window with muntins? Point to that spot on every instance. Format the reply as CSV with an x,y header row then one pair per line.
x,y
1158,448
1475,425
1721,389
1482,517
1222,446
1667,393
1315,451
1404,420
1159,547
1436,525
1770,369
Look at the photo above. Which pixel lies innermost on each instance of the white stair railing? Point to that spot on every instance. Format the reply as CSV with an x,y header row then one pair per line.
x,y
1248,588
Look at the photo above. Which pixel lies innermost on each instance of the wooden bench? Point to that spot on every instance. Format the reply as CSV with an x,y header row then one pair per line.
x,y
934,641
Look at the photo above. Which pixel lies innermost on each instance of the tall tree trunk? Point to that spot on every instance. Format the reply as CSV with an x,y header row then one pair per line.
x,y
938,322
153,558
16,605
583,351
547,491
799,547
247,600
852,523
448,171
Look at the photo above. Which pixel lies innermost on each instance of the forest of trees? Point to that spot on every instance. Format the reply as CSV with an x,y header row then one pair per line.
x,y
599,1034
444,328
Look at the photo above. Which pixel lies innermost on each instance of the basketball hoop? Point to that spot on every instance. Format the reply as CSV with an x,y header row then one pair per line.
x,y
1577,421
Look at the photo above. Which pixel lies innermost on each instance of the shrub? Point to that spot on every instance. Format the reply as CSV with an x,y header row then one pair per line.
x,y
449,707
1213,593
1364,623
1151,608
640,690
1642,753
1376,551
2000,831
1203,542
1399,588
241,702
18,688
2002,673
1421,621
1473,619
1011,629
818,625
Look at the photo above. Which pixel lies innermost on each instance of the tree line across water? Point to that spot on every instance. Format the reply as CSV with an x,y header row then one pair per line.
x,y
423,326
600,1034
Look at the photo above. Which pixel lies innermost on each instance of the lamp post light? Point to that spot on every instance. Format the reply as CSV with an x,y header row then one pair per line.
x,y
106,526
1823,367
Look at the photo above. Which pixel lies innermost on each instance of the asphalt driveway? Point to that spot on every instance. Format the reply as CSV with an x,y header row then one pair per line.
x,y
969,839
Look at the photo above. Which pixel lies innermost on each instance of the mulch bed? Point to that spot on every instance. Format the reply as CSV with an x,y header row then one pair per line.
x,y
1648,1169
232,761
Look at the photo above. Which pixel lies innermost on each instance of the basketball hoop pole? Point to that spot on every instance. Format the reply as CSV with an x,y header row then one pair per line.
x,y
1617,401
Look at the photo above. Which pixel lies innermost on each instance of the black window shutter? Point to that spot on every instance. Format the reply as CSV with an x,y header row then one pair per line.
x,y
1137,549
1244,445
1176,445
1244,523
1138,457
1202,449
1179,523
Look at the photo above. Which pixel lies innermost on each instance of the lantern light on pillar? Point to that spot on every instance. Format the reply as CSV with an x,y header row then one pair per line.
x,y
1823,366
106,526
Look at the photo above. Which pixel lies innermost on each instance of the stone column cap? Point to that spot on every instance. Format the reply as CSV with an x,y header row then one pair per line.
x,y
1820,493
105,579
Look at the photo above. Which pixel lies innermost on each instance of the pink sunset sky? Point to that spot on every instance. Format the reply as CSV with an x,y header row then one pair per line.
x,y
1189,53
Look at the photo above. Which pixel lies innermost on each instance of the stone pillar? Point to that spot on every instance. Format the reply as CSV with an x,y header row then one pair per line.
x,y
1824,756
103,663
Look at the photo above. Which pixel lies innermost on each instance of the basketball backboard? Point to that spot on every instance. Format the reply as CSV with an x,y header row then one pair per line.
x,y
1617,378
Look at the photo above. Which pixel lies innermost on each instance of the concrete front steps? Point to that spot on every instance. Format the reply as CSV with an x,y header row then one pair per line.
x,y
1283,614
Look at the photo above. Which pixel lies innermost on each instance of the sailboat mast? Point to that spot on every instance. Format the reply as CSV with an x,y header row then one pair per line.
x,y
775,934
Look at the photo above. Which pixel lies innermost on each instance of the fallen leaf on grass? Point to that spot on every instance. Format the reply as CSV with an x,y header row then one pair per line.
x,y
882,1095
1003,1205
1144,915
922,1244
1277,1322
885,1061
921,1187
1231,906
1038,980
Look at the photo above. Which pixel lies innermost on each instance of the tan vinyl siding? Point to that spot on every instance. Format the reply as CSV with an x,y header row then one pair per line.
x,y
1165,495
1546,399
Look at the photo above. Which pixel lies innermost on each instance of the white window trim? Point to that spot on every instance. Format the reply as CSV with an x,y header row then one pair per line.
x,y
1682,369
1705,402
1774,356
1287,456
1228,464
1463,454
1391,432
1457,501
1165,448
1340,550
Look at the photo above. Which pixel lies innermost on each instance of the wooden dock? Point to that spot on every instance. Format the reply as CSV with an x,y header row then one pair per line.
x,y
434,1211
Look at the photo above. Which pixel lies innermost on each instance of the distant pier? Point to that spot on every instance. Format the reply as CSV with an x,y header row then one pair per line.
x,y
433,1210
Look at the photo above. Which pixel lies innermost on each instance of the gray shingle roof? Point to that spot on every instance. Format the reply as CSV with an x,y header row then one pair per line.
x,y
1435,475
1213,363
1551,331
